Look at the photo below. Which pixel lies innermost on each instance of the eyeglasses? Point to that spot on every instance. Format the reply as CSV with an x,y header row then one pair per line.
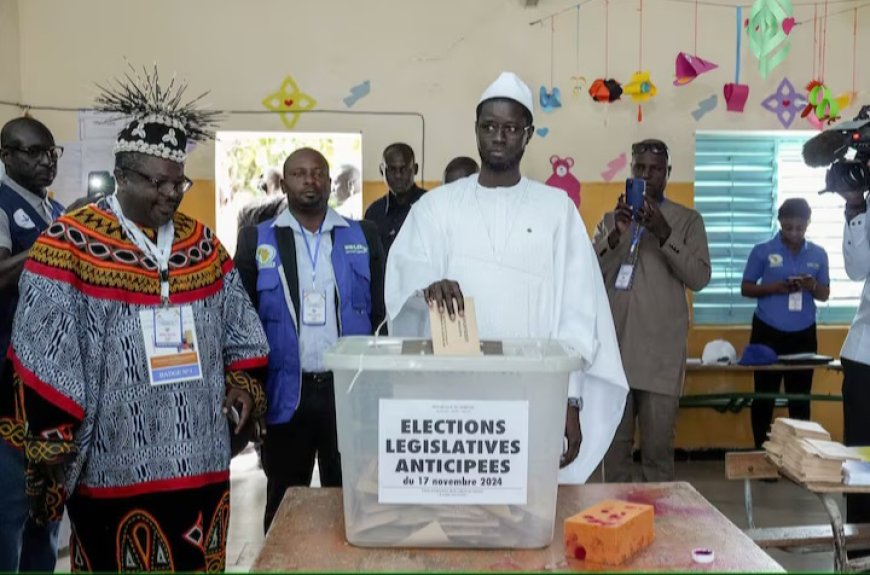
x,y
657,148
179,187
509,130
38,152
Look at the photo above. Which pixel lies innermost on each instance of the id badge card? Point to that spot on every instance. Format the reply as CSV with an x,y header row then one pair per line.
x,y
170,363
795,301
314,307
624,277
168,326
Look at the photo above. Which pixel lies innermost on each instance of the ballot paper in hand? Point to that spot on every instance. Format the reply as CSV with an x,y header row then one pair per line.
x,y
457,336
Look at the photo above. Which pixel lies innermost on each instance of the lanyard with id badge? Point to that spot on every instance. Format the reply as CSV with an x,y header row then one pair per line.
x,y
168,331
634,194
313,299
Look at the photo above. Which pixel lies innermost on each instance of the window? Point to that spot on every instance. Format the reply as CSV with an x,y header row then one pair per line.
x,y
740,181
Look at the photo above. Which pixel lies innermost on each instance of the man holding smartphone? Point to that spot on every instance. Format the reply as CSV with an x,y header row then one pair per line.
x,y
650,255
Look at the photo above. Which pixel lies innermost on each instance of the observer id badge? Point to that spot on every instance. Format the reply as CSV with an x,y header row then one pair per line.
x,y
625,275
314,307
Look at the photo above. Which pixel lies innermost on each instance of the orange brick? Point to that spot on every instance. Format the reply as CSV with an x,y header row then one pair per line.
x,y
610,532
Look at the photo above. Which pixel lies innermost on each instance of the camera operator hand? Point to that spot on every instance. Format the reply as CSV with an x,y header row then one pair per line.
x,y
856,203
852,198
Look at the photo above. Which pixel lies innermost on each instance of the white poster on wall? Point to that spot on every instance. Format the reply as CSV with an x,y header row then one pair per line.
x,y
453,452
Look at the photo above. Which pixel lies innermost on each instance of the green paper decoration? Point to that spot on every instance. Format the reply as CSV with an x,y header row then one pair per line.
x,y
768,40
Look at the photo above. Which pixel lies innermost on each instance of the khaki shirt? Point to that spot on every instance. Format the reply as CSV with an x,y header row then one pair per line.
x,y
652,318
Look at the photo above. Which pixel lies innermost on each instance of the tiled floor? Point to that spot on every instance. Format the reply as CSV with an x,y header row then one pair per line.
x,y
776,504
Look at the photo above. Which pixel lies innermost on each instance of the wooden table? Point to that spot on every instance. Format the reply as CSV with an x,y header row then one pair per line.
x,y
735,402
308,534
756,465
829,494
695,366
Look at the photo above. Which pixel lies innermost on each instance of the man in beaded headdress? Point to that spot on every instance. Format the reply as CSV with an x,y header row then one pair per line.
x,y
134,341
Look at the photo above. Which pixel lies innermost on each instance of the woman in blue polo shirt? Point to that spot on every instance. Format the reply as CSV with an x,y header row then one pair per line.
x,y
786,274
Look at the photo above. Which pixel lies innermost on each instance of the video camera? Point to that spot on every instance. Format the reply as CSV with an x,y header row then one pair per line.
x,y
829,148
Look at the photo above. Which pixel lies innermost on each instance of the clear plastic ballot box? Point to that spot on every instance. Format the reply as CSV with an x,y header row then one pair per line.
x,y
450,451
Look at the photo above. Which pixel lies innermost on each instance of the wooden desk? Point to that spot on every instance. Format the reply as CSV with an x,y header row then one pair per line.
x,y
736,401
308,534
693,366
828,494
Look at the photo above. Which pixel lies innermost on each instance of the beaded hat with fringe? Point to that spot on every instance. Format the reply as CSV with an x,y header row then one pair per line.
x,y
159,123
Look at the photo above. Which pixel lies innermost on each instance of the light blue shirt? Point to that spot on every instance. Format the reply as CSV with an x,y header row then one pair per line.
x,y
772,261
315,339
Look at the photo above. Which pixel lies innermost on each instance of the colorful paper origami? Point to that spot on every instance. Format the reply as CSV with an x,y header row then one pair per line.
x,y
766,28
640,88
786,103
605,91
736,93
688,67
815,122
822,104
735,97
550,100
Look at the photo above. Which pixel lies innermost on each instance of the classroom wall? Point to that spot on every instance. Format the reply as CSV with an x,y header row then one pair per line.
x,y
10,71
431,60
425,57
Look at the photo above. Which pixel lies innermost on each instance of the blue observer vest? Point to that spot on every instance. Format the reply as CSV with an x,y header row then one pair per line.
x,y
25,225
350,265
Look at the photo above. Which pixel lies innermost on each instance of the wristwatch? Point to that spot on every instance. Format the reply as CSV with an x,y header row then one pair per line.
x,y
576,402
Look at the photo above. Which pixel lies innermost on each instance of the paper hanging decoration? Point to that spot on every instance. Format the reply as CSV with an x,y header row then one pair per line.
x,y
786,103
735,97
542,132
605,91
641,89
289,101
563,179
688,67
768,39
815,122
577,84
705,106
822,104
550,100
736,93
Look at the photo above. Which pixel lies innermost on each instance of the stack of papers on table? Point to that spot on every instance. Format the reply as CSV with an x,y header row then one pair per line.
x,y
804,449
785,430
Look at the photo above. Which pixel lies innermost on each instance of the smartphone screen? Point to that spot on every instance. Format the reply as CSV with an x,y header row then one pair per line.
x,y
634,190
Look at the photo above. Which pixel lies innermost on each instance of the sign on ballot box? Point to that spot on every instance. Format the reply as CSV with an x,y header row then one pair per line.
x,y
453,452
450,451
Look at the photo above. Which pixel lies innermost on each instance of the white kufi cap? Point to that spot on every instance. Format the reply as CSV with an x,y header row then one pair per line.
x,y
509,86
